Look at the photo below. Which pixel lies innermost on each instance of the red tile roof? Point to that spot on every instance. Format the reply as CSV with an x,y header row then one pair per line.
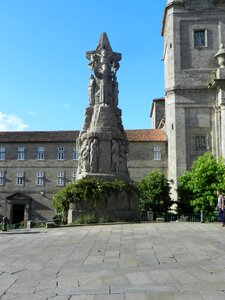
x,y
39,136
146,135
141,135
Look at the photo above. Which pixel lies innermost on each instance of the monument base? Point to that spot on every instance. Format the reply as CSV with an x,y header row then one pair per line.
x,y
121,206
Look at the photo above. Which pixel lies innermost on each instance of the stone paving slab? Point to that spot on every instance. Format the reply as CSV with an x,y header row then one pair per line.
x,y
117,262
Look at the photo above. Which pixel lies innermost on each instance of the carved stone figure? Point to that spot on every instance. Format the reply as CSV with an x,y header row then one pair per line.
x,y
91,90
122,157
115,156
87,118
83,162
104,63
115,91
94,156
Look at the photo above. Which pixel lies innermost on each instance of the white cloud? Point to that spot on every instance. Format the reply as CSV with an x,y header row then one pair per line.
x,y
11,123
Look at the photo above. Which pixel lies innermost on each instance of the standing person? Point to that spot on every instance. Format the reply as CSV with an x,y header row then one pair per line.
x,y
223,211
220,208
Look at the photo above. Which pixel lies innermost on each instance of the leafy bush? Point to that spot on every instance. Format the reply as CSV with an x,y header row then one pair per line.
x,y
197,187
90,218
154,193
89,190
85,219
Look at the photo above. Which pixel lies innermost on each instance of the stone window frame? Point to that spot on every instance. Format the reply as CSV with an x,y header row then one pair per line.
x,y
199,45
74,176
40,178
21,153
2,177
2,153
41,153
200,142
75,153
60,178
20,178
157,153
61,153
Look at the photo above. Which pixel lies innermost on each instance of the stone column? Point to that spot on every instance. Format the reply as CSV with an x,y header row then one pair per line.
x,y
221,100
219,83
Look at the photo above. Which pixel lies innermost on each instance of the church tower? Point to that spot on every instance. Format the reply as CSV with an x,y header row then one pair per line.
x,y
193,32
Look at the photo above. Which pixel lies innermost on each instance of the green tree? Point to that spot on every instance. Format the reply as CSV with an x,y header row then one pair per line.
x,y
154,193
63,199
185,195
197,187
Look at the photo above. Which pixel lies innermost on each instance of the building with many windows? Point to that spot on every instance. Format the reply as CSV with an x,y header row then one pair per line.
x,y
35,165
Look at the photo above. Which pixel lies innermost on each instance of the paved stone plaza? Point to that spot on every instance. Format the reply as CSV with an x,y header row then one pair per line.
x,y
129,261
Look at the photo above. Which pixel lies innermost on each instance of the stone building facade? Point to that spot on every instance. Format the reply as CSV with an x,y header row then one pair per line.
x,y
194,54
35,165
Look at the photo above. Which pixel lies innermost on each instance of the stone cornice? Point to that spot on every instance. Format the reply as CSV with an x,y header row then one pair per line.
x,y
168,6
180,88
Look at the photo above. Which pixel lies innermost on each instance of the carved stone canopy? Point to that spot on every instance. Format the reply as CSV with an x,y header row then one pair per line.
x,y
104,44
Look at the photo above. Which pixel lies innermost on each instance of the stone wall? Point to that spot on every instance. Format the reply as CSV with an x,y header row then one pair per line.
x,y
120,206
141,159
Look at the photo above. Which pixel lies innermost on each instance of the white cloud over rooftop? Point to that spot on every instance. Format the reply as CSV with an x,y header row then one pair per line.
x,y
10,122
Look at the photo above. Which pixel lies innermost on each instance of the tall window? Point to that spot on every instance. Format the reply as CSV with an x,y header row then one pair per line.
x,y
20,178
2,177
41,153
157,153
75,153
200,38
61,154
200,142
40,178
74,176
2,153
21,153
60,178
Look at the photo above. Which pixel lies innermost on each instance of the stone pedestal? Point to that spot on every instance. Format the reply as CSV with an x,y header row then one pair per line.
x,y
117,207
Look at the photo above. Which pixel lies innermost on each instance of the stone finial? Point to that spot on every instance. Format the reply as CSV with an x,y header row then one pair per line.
x,y
220,56
104,43
103,87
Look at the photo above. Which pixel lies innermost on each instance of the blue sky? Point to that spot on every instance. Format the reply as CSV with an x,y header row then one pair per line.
x,y
43,69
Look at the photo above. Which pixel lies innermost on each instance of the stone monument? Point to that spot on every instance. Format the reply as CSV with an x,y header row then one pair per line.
x,y
101,144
